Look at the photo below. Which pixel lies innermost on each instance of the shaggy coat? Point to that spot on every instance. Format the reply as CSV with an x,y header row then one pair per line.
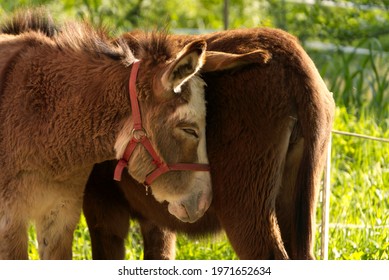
x,y
268,127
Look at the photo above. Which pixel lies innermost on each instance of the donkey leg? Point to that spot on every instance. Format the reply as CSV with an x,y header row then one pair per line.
x,y
55,230
158,243
287,207
249,217
107,214
13,237
281,163
255,236
285,203
14,218
108,233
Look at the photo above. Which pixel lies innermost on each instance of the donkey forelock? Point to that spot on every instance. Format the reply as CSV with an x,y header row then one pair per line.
x,y
156,47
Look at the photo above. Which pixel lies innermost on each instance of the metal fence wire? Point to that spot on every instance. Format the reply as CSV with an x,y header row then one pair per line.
x,y
326,191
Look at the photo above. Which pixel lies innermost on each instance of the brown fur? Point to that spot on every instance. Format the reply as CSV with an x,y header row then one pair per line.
x,y
64,106
268,129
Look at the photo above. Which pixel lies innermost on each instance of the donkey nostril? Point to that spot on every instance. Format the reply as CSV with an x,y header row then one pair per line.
x,y
179,210
202,204
185,210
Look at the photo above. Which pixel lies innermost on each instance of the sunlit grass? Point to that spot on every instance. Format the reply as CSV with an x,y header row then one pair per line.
x,y
359,211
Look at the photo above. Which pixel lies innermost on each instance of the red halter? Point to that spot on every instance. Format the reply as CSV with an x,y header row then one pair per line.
x,y
139,136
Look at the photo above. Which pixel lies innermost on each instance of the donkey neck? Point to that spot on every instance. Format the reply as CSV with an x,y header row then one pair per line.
x,y
97,111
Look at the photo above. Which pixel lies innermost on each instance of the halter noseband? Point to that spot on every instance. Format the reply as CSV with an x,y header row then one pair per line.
x,y
139,136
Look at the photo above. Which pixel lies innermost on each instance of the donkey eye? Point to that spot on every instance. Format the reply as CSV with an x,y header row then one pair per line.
x,y
191,131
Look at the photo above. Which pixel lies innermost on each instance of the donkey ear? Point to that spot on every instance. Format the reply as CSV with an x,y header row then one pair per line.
x,y
188,62
219,61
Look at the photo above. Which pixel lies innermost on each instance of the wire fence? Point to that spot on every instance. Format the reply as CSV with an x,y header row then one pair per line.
x,y
360,136
326,192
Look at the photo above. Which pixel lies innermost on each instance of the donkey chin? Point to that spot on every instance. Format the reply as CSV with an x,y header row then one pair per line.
x,y
192,205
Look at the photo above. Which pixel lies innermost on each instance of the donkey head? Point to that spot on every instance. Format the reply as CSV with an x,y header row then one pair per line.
x,y
172,108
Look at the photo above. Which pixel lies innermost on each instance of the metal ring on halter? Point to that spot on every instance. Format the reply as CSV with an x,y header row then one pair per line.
x,y
138,134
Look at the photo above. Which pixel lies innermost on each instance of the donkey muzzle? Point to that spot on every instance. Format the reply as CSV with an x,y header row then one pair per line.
x,y
192,208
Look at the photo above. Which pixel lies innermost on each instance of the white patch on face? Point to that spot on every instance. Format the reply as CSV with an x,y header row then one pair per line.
x,y
195,111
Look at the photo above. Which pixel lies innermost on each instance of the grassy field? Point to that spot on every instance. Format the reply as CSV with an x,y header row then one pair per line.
x,y
359,204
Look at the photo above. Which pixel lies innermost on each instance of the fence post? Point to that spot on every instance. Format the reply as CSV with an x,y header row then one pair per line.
x,y
325,216
226,14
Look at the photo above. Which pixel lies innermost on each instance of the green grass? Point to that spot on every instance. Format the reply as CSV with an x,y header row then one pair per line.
x,y
359,211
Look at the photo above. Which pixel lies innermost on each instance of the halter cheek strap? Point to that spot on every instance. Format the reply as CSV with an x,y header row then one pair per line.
x,y
139,136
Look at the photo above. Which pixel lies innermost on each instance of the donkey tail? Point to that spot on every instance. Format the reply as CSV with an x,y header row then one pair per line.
x,y
315,110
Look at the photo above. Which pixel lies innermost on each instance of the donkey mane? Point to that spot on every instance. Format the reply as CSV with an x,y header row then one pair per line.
x,y
72,36
78,38
37,19
83,37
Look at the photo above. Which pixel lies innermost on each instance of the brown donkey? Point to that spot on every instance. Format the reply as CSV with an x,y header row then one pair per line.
x,y
268,127
64,106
